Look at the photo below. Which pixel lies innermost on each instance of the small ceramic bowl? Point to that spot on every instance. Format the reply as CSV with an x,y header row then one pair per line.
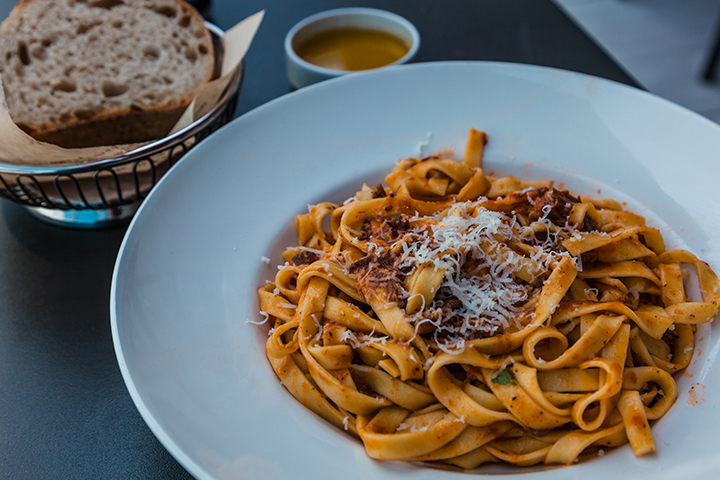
x,y
301,72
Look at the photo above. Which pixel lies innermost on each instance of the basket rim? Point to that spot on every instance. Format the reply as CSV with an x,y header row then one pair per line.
x,y
150,148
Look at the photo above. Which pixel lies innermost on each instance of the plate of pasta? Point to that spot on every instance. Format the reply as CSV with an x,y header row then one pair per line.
x,y
434,270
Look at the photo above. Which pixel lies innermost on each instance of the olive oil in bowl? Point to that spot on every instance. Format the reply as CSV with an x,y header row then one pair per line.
x,y
352,49
336,42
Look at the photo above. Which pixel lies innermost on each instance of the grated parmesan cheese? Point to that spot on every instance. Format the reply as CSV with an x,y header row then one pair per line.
x,y
307,249
360,341
493,264
489,295
423,144
265,316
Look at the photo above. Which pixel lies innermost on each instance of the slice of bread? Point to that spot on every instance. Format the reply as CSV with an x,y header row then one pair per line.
x,y
82,73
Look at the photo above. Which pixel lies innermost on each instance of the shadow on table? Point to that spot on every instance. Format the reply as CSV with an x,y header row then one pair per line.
x,y
62,392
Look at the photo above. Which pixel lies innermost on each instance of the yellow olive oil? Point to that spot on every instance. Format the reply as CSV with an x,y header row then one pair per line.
x,y
352,49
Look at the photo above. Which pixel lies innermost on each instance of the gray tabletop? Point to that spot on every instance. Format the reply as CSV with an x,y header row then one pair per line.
x,y
64,409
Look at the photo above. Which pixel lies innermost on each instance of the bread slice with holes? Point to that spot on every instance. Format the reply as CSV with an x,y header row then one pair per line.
x,y
82,73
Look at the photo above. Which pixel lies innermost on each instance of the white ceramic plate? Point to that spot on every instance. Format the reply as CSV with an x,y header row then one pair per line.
x,y
185,280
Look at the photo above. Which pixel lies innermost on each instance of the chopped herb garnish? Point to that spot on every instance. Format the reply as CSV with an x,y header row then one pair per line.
x,y
503,377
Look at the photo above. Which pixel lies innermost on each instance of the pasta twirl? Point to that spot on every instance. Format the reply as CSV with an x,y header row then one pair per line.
x,y
451,316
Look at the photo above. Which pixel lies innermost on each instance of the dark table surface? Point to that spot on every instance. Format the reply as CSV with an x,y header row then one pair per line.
x,y
64,409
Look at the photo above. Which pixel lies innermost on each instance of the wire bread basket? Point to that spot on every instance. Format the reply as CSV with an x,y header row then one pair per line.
x,y
109,192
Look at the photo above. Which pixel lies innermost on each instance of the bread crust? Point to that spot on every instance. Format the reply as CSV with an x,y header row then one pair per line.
x,y
114,129
116,125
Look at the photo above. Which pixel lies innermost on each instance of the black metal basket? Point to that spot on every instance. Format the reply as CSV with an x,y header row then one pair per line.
x,y
109,191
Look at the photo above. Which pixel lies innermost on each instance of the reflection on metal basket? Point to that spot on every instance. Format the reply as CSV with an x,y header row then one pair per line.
x,y
108,192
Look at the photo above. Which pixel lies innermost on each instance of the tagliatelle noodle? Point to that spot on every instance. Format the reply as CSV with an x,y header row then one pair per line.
x,y
455,317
